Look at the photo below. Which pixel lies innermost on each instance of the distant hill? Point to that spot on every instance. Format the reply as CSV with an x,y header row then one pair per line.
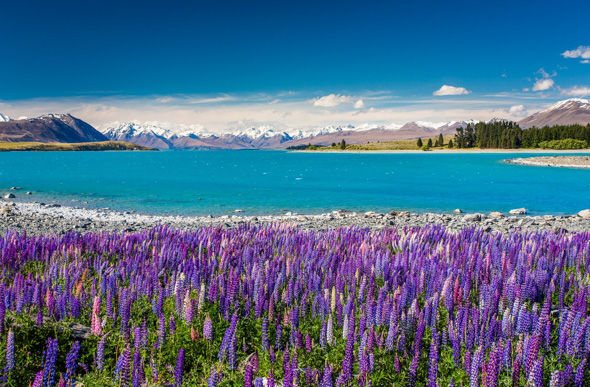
x,y
567,112
49,128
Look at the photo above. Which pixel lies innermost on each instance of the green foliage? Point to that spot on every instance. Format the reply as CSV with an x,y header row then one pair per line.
x,y
508,135
429,143
425,148
567,143
419,143
450,144
343,144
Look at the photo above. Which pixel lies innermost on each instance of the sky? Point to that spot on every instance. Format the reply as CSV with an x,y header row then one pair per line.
x,y
222,65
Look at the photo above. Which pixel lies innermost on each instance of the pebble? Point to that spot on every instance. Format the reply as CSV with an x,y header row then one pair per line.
x,y
37,219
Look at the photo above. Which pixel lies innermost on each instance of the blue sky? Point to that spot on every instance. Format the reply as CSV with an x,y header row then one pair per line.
x,y
151,60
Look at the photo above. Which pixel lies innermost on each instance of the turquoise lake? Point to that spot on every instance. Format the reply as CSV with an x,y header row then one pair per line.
x,y
266,182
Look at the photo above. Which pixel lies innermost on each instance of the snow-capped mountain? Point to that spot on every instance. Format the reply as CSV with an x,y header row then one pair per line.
x,y
4,118
49,128
568,112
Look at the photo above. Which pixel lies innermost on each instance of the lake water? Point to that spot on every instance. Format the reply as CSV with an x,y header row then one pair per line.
x,y
266,182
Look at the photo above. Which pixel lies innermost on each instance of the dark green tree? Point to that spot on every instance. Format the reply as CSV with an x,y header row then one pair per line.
x,y
450,144
343,145
429,143
441,140
419,143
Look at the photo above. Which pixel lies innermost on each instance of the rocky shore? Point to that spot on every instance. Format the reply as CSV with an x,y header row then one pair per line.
x,y
35,219
554,161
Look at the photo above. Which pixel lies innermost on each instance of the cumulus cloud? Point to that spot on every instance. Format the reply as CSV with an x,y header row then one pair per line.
x,y
331,100
360,104
543,84
582,52
576,91
517,111
451,90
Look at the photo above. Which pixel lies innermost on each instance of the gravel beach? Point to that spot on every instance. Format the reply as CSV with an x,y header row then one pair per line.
x,y
554,161
35,219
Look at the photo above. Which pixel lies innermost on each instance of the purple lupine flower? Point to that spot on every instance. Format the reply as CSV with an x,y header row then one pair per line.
x,y
248,376
579,378
161,332
327,379
172,325
38,382
265,344
49,360
208,328
71,363
100,354
179,368
270,382
10,350
307,342
137,375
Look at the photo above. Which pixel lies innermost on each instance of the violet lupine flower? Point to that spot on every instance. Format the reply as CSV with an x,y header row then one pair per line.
x,y
327,379
49,360
10,350
96,326
265,344
579,378
38,382
161,332
270,381
208,328
179,368
137,374
307,342
433,370
248,376
100,354
71,363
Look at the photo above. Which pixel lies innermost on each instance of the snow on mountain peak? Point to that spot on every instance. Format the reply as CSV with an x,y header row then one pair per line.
x,y
570,103
4,118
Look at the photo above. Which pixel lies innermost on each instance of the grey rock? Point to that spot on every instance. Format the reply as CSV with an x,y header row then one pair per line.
x,y
9,196
518,211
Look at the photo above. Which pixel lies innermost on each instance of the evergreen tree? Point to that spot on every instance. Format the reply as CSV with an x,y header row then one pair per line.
x,y
343,145
441,140
419,143
333,145
450,144
429,144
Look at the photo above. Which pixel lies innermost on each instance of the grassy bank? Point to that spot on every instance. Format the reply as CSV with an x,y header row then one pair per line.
x,y
81,146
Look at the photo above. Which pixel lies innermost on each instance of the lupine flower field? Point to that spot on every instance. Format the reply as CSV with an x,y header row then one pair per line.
x,y
276,305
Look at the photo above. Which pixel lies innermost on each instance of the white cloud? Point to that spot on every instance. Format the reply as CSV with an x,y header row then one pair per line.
x,y
165,99
582,52
331,100
451,90
274,101
526,89
359,104
543,84
517,111
576,91
585,61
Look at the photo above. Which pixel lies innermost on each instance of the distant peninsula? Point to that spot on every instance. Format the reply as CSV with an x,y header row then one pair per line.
x,y
79,146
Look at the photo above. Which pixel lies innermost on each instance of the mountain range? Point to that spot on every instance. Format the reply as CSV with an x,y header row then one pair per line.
x,y
65,128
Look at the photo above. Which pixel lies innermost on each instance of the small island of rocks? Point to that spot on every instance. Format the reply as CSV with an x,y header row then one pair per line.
x,y
554,161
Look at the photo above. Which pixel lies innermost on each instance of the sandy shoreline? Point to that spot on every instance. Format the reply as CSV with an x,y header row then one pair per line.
x,y
35,219
450,151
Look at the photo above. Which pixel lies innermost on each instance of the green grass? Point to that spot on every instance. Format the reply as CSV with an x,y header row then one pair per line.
x,y
80,146
385,145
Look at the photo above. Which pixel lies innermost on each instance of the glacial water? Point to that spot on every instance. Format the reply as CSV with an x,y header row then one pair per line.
x,y
266,182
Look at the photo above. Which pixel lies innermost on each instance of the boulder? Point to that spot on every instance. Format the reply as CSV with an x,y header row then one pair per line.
x,y
518,211
9,196
496,215
29,193
457,211
584,214
238,210
474,217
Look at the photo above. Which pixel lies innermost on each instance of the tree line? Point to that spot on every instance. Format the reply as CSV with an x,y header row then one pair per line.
x,y
509,135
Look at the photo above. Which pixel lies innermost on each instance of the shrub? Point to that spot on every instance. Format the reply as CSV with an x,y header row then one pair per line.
x,y
567,143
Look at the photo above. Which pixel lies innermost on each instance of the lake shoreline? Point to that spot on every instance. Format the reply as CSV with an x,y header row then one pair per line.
x,y
446,151
37,219
582,162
